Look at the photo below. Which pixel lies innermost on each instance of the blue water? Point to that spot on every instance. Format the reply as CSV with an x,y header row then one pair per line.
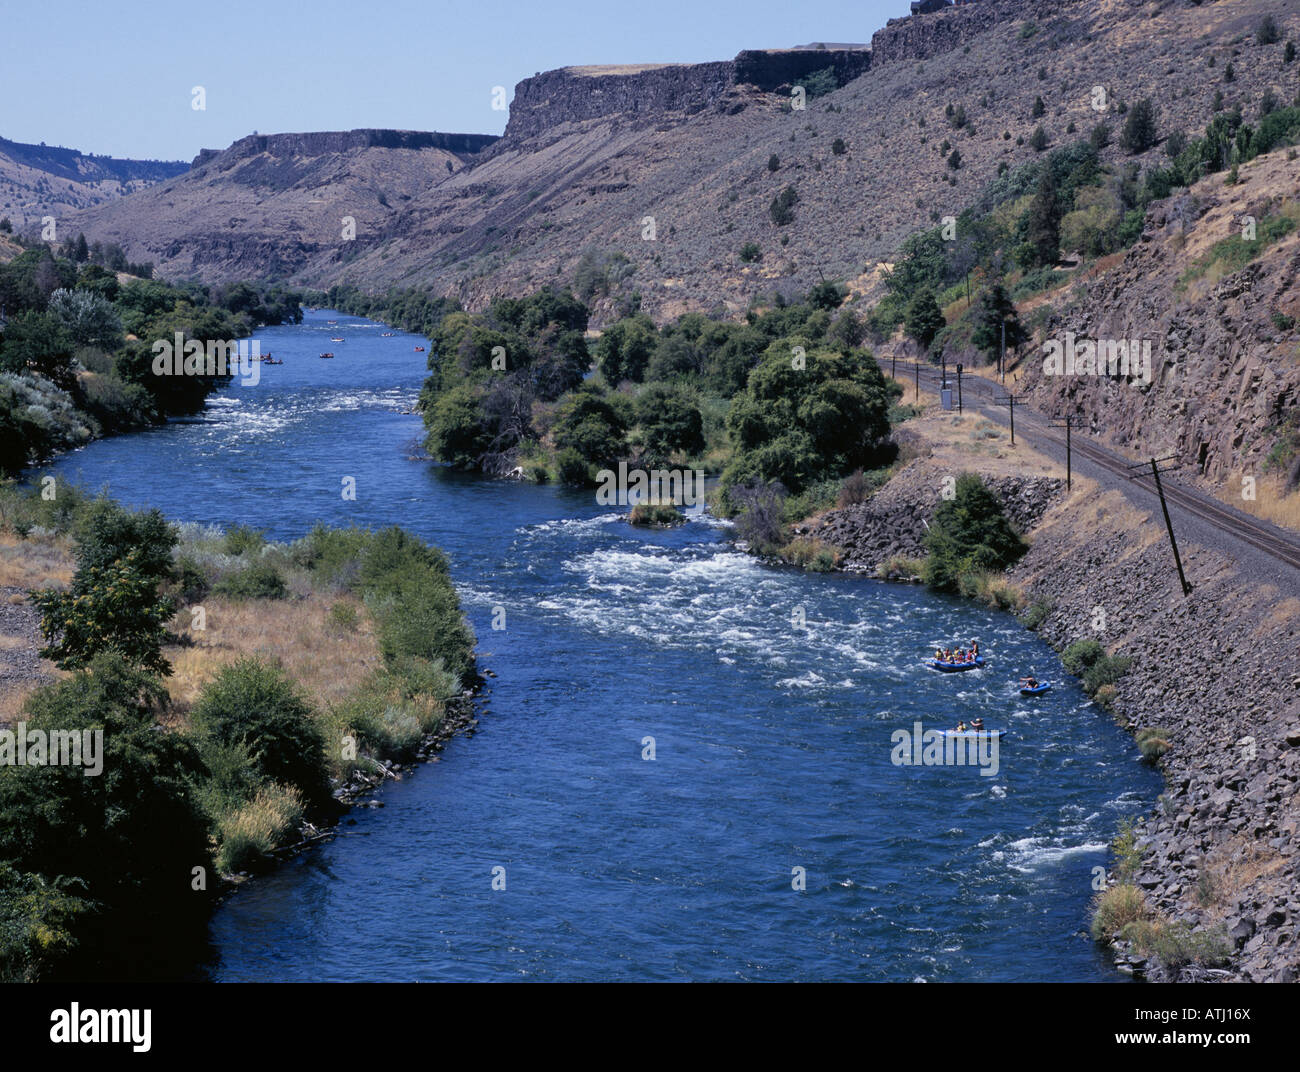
x,y
772,738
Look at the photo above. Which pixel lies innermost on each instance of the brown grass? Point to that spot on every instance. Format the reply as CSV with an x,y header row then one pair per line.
x,y
37,562
326,660
1271,502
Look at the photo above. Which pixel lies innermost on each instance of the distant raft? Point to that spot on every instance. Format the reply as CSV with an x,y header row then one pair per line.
x,y
956,668
999,734
1037,690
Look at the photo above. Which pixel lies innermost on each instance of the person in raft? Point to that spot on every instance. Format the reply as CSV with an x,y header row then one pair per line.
x,y
961,727
975,649
977,725
938,655
1029,682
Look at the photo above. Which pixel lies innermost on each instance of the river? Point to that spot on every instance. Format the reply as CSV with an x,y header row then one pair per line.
x,y
771,696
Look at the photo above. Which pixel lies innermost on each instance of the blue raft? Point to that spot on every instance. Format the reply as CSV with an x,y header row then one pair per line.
x,y
1037,690
999,734
956,668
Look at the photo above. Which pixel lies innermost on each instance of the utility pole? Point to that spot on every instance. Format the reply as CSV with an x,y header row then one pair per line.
x,y
959,387
1065,422
1178,561
1009,400
918,381
1002,354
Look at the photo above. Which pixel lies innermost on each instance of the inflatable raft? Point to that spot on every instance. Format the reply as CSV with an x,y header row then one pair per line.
x,y
953,668
1037,690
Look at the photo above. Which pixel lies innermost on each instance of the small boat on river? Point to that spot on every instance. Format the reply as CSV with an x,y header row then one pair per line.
x,y
956,668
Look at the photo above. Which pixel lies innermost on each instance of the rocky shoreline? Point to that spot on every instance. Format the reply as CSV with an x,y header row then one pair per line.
x,y
1217,856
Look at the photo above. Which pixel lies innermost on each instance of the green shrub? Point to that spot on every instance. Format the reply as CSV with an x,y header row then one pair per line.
x,y
1035,613
38,921
1176,945
1087,660
134,832
344,616
261,580
661,514
900,568
192,582
253,703
968,534
241,539
1115,908
109,608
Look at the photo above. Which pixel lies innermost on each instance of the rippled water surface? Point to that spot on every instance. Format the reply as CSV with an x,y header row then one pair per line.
x,y
771,697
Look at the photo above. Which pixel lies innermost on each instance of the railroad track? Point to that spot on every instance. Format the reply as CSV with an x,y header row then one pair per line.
x,y
1274,542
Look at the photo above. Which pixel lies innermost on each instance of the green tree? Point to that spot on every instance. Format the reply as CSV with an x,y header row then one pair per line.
x,y
457,434
924,319
996,310
624,349
37,342
782,207
1044,223
670,422
807,416
969,533
134,832
588,423
1139,131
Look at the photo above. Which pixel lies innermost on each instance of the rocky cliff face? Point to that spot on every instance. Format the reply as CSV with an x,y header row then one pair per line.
x,y
341,141
574,94
1224,376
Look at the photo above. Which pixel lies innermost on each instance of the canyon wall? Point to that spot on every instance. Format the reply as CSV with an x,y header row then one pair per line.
x,y
340,141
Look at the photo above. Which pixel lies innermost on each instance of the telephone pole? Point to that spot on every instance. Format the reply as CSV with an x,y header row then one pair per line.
x,y
1010,400
1065,422
1155,472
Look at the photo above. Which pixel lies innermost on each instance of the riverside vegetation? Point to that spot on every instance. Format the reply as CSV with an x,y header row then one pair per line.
x,y
75,346
216,756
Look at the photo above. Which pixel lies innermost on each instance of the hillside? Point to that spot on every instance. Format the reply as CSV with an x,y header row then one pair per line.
x,y
1220,316
44,180
590,152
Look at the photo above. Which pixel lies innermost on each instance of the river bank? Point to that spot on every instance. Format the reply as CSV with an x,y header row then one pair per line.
x,y
1212,676
282,684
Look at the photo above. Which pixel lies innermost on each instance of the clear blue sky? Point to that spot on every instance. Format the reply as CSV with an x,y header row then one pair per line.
x,y
115,76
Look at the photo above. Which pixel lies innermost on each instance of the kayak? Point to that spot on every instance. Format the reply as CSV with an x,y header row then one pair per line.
x,y
953,668
999,734
1037,690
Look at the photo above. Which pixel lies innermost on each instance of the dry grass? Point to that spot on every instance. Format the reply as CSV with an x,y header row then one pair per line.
x,y
1271,502
325,659
37,562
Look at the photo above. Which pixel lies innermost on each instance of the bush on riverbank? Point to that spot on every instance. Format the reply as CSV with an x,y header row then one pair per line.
x,y
1087,660
76,350
969,534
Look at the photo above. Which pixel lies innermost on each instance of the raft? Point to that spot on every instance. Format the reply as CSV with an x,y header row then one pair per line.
x,y
954,668
1037,690
999,734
